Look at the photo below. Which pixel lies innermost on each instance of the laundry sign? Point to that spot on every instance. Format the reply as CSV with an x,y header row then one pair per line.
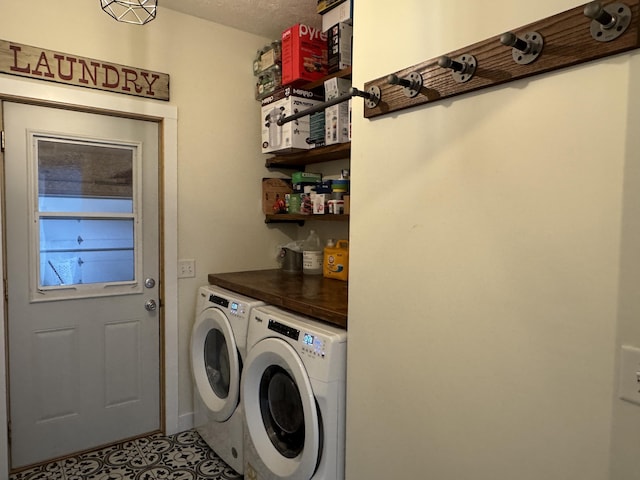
x,y
41,64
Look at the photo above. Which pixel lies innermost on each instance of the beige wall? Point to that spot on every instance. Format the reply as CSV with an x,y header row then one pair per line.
x,y
508,268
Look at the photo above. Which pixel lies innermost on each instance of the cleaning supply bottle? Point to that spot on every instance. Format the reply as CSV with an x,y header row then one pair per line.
x,y
312,255
336,260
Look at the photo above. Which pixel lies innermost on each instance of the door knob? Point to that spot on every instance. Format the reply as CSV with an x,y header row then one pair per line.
x,y
149,282
150,305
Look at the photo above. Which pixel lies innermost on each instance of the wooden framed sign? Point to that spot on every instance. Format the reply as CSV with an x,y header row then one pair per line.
x,y
41,64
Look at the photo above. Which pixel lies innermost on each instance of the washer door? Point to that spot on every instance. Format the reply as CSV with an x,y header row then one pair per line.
x,y
281,411
215,364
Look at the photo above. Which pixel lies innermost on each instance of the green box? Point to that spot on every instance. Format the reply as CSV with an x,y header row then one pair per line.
x,y
306,177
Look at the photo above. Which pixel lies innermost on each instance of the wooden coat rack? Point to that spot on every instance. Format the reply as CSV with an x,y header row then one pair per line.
x,y
579,35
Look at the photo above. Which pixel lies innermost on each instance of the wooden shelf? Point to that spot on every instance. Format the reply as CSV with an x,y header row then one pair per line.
x,y
320,83
298,218
308,157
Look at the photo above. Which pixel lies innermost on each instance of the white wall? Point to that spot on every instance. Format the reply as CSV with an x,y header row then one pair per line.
x,y
507,270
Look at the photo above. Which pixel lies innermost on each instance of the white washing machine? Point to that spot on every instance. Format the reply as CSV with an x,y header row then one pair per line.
x,y
294,394
218,351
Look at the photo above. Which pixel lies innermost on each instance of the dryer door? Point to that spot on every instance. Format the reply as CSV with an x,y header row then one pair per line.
x,y
215,363
282,416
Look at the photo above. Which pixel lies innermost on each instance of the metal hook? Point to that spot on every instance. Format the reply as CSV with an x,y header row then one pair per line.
x,y
608,22
411,85
372,96
462,68
525,50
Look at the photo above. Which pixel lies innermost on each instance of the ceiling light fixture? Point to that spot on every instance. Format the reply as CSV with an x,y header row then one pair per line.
x,y
137,12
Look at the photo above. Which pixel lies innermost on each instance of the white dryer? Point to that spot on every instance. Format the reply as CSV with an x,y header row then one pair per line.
x,y
294,394
218,350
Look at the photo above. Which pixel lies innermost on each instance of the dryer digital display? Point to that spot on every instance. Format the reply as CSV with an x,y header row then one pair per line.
x,y
308,339
234,307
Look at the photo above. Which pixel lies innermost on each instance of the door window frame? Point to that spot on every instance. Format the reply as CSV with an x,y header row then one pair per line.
x,y
39,293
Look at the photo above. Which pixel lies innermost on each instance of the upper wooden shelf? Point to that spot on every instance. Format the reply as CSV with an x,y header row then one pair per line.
x,y
320,83
308,157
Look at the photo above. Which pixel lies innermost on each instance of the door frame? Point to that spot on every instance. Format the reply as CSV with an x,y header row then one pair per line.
x,y
45,93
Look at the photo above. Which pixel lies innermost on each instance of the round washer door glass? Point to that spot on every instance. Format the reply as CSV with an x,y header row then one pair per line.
x,y
216,364
282,411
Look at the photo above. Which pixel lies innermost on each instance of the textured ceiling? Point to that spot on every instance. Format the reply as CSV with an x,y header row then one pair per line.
x,y
267,18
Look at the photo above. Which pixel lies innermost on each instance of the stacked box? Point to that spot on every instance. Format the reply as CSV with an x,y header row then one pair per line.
x,y
267,69
340,12
339,42
322,6
334,87
336,116
291,136
304,54
316,129
306,177
274,191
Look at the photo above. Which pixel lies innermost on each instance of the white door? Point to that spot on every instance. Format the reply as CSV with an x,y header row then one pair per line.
x,y
82,257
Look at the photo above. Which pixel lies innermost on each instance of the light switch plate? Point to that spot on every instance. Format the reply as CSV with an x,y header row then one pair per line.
x,y
629,386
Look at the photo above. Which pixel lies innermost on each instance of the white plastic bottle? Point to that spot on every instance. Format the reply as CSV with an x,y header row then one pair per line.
x,y
312,255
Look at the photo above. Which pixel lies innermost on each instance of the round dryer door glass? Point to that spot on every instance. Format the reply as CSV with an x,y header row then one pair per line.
x,y
282,413
217,366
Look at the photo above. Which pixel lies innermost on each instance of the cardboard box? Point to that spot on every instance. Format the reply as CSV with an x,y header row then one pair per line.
x,y
309,177
316,129
319,201
291,136
273,190
304,54
337,123
339,44
334,87
343,12
323,6
347,204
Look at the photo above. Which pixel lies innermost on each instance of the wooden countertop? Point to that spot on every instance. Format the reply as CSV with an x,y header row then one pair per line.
x,y
313,295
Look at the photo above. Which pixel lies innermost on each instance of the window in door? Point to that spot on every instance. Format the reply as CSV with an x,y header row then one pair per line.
x,y
86,217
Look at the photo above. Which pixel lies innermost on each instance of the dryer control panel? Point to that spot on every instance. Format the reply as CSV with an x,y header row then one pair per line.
x,y
313,345
283,329
234,308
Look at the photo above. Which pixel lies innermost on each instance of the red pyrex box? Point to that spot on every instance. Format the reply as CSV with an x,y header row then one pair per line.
x,y
304,54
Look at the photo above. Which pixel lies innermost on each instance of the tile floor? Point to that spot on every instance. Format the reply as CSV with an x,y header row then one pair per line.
x,y
183,456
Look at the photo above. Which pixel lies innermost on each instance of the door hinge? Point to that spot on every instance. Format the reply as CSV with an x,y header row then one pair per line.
x,y
2,140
